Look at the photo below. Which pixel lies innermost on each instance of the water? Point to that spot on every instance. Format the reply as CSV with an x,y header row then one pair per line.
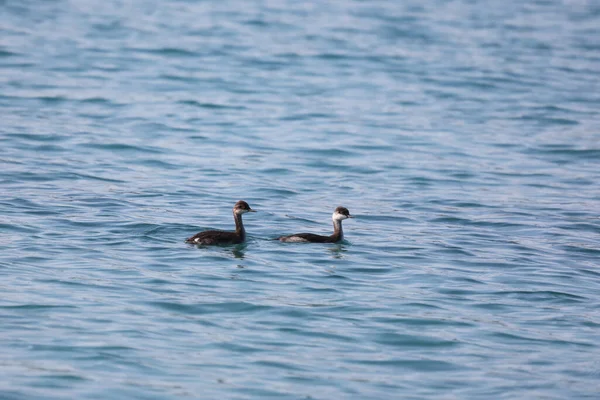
x,y
464,136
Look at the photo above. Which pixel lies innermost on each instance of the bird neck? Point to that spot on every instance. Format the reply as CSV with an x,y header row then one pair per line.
x,y
338,233
239,225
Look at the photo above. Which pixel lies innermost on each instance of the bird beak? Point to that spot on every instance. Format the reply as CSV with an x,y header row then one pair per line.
x,y
251,210
350,216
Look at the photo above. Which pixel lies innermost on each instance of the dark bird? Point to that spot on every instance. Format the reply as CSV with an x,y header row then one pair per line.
x,y
224,237
340,214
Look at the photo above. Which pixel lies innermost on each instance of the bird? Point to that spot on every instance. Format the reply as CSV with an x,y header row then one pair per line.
x,y
224,237
340,214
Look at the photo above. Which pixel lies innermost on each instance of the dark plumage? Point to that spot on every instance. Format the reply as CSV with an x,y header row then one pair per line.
x,y
340,214
224,237
215,237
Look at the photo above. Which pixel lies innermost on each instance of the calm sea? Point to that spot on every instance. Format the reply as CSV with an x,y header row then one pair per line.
x,y
464,136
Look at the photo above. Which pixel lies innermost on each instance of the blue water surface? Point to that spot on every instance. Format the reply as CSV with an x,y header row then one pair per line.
x,y
464,136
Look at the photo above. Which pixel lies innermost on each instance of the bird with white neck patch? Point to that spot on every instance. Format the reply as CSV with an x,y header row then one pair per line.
x,y
340,214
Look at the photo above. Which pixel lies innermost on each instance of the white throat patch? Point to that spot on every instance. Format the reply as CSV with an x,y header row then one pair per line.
x,y
338,217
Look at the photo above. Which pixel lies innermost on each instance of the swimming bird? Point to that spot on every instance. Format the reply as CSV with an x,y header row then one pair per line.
x,y
224,237
340,214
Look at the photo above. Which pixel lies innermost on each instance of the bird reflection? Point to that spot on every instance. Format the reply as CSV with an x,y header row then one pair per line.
x,y
239,251
338,250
